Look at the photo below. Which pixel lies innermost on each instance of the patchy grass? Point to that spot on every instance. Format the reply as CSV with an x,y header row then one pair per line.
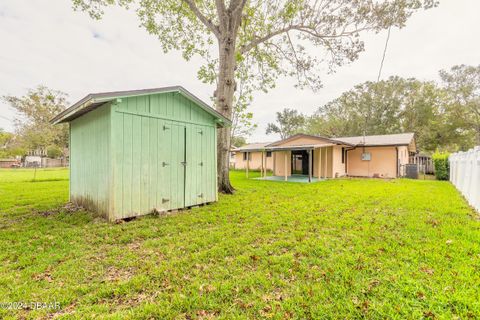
x,y
333,249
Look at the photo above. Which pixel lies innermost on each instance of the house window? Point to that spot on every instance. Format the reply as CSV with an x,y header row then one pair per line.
x,y
343,155
269,154
245,156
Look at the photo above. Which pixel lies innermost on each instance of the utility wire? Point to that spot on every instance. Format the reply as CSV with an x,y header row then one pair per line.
x,y
378,79
384,53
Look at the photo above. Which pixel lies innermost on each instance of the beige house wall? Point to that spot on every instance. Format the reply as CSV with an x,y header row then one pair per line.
x,y
338,169
255,161
280,163
383,163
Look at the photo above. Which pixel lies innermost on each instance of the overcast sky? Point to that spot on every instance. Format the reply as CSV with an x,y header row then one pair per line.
x,y
46,42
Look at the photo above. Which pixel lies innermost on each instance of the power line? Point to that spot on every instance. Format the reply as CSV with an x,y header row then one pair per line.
x,y
384,53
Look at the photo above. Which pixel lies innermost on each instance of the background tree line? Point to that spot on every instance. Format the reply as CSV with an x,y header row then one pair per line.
x,y
33,130
444,116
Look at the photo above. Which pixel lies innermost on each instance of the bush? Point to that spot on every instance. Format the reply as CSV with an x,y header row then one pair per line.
x,y
54,152
442,167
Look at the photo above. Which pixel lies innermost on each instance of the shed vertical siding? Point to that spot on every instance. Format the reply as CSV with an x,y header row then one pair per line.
x,y
90,160
152,136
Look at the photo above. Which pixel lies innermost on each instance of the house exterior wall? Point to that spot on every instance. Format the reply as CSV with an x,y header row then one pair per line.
x,y
323,162
383,163
280,163
338,168
90,160
255,161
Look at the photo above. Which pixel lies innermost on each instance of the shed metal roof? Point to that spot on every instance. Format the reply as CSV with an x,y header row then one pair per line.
x,y
95,100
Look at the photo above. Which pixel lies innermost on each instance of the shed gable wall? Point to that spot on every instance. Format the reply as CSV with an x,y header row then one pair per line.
x,y
170,106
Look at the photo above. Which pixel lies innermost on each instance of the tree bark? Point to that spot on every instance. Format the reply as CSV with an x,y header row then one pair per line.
x,y
224,101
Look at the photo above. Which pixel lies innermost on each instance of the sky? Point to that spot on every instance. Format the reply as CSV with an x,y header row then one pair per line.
x,y
47,43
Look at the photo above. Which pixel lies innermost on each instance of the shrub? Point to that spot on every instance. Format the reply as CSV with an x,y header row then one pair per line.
x,y
54,152
442,167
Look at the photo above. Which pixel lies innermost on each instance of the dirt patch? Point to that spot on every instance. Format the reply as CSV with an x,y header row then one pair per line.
x,y
69,207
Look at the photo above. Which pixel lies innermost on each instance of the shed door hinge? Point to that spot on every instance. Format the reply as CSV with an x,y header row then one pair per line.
x,y
201,164
165,128
165,200
164,164
201,131
200,195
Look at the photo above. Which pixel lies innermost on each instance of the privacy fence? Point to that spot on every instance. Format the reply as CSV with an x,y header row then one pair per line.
x,y
465,175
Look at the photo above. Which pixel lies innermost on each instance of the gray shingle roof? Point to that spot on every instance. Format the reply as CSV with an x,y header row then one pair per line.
x,y
380,140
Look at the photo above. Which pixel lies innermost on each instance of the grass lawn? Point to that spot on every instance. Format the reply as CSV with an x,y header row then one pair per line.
x,y
334,249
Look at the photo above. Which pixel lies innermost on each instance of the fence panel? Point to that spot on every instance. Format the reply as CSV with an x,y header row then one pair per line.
x,y
465,175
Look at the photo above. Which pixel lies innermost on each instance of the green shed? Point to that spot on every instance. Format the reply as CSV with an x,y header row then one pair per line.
x,y
135,152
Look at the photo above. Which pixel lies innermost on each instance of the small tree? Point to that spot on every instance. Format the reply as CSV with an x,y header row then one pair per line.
x,y
36,108
289,122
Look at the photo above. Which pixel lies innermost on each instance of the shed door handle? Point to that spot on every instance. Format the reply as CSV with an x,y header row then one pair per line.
x,y
184,163
165,200
164,164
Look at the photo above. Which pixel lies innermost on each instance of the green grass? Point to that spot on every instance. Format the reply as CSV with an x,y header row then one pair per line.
x,y
334,249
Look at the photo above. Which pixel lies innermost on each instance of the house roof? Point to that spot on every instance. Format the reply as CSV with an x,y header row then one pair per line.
x,y
95,100
380,140
256,146
401,139
300,135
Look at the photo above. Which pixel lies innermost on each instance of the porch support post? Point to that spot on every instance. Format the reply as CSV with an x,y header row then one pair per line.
x,y
320,163
286,165
310,165
326,162
262,173
274,155
248,163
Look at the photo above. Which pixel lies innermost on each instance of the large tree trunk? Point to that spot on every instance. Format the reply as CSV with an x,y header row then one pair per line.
x,y
224,100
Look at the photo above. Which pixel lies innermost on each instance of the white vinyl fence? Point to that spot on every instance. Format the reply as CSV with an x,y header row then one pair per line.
x,y
465,175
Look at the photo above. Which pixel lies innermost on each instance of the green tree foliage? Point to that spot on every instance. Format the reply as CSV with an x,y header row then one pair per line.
x,y
463,87
35,109
392,106
264,39
288,123
442,166
238,141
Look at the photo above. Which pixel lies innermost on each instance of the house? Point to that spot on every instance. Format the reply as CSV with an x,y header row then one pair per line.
x,y
134,152
255,155
380,156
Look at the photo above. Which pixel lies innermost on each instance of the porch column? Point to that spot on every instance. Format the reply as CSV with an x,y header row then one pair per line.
x,y
274,155
310,165
320,163
261,169
248,163
285,166
325,164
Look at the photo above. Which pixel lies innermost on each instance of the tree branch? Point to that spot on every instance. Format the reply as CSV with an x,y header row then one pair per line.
x,y
207,22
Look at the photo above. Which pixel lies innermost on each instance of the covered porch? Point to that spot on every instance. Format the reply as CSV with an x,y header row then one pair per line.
x,y
296,163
